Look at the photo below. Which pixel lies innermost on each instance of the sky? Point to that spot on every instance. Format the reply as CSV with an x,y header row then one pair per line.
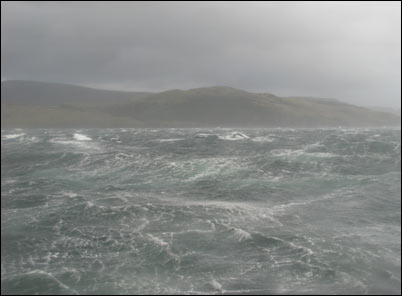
x,y
345,50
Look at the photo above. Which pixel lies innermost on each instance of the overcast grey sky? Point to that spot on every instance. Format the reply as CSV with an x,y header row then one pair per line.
x,y
345,50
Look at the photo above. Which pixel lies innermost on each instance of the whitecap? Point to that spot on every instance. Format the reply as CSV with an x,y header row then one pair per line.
x,y
204,135
216,285
79,141
157,240
12,181
50,276
287,152
267,139
33,139
397,147
14,136
234,136
69,194
89,205
81,137
122,156
322,154
170,140
241,234
315,147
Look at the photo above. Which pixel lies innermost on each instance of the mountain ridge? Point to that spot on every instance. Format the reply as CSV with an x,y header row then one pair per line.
x,y
45,104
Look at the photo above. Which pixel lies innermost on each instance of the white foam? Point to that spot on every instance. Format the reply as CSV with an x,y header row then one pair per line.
x,y
204,135
234,136
52,277
397,147
14,136
170,140
286,152
10,181
282,207
214,284
33,139
81,137
240,209
322,154
70,194
209,167
157,240
122,156
316,145
241,234
78,142
267,139
89,205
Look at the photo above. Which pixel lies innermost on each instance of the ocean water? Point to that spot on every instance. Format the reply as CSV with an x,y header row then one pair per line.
x,y
201,211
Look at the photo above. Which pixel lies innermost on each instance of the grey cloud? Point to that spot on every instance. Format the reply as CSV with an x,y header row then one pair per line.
x,y
346,50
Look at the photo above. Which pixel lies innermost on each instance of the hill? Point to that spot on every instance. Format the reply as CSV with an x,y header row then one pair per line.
x,y
39,104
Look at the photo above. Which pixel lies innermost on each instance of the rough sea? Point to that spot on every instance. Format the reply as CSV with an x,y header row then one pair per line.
x,y
201,211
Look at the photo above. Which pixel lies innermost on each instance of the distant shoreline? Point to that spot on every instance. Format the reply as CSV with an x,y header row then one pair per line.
x,y
54,105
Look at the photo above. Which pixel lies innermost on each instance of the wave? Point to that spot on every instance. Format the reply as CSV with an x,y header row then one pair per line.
x,y
78,141
234,136
204,135
241,234
40,278
315,147
69,194
215,285
267,139
81,137
14,136
287,152
158,241
300,152
170,140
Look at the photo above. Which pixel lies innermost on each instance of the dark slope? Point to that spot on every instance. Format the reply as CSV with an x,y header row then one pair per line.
x,y
37,104
45,93
223,106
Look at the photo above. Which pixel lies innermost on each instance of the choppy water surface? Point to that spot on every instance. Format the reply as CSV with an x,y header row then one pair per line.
x,y
198,211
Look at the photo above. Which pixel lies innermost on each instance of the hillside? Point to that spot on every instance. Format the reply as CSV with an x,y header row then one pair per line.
x,y
37,104
44,93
